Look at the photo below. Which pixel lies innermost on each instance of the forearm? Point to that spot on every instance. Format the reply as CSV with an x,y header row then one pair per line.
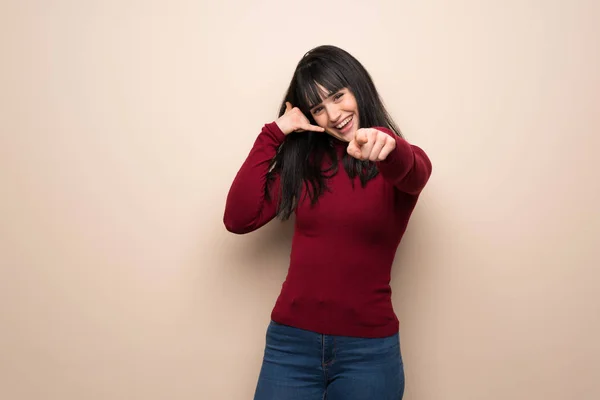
x,y
407,167
247,207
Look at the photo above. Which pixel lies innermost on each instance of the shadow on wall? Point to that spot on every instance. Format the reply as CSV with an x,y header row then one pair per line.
x,y
416,247
419,260
261,249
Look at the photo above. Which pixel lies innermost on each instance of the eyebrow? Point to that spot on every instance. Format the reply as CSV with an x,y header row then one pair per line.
x,y
328,96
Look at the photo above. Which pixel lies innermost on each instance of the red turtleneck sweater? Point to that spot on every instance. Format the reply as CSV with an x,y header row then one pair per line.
x,y
338,281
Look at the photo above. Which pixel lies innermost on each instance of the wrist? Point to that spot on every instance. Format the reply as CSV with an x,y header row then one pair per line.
x,y
282,126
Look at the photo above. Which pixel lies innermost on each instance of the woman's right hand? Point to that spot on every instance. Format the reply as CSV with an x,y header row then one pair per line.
x,y
294,121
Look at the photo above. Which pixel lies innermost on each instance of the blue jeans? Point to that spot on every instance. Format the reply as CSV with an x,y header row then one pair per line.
x,y
304,365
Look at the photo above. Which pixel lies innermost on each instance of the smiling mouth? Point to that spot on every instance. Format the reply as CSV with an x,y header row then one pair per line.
x,y
344,123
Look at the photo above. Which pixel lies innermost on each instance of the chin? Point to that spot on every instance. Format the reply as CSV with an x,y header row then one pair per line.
x,y
344,137
348,136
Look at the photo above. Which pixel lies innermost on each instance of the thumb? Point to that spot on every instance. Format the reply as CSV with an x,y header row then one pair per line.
x,y
353,149
288,106
361,137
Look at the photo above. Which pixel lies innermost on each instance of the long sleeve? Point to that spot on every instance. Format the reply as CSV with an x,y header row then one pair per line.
x,y
408,167
247,208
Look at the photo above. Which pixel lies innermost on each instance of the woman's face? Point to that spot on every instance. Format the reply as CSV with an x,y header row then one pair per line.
x,y
338,114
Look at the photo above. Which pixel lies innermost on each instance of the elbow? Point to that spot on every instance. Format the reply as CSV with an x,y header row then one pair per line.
x,y
234,219
239,224
238,230
428,170
424,179
415,182
234,226
425,168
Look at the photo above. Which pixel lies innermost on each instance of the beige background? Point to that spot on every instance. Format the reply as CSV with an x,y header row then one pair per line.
x,y
124,122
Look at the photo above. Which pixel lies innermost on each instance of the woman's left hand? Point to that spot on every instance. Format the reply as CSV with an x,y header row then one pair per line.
x,y
371,144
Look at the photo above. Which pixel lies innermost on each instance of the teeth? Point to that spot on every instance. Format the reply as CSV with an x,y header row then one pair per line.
x,y
343,123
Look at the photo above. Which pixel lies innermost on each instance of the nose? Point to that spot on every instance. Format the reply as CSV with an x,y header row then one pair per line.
x,y
334,113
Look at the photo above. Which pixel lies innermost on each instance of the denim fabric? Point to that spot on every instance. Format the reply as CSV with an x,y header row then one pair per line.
x,y
304,365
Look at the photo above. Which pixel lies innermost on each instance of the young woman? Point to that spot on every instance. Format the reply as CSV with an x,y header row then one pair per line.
x,y
336,160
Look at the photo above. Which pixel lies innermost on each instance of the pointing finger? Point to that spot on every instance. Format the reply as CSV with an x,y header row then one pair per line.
x,y
387,149
377,149
361,137
313,128
354,150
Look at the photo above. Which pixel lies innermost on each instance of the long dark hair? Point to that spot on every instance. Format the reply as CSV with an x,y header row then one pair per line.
x,y
300,159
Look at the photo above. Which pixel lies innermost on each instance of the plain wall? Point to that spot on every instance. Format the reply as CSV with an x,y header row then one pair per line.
x,y
123,123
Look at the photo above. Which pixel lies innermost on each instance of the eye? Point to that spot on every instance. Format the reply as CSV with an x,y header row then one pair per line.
x,y
338,96
317,110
